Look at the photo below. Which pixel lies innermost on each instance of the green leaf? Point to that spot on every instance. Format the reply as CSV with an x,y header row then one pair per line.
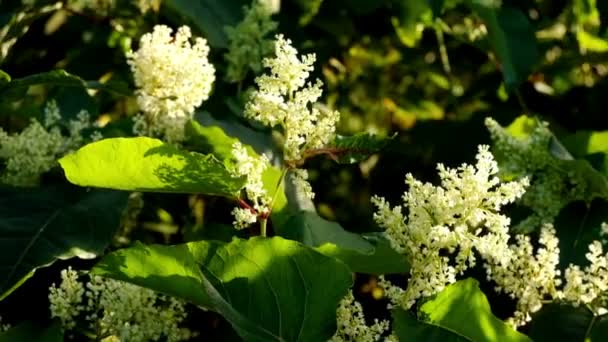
x,y
268,289
407,327
145,164
364,254
356,148
384,259
209,16
512,38
16,89
313,230
329,238
461,310
30,331
555,322
39,226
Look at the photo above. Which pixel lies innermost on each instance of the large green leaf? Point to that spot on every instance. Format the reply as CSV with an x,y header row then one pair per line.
x,y
512,38
39,226
555,322
463,312
30,331
209,16
146,164
268,289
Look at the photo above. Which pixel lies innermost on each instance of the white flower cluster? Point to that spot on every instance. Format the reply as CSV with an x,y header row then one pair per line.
x,y
590,285
530,279
535,279
252,168
248,42
115,308
36,149
445,224
66,300
352,325
553,185
173,77
284,99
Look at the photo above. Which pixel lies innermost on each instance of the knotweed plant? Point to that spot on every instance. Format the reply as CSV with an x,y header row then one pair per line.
x,y
188,204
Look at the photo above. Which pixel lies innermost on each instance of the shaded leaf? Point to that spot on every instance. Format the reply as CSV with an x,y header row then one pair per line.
x,y
512,38
209,16
39,226
383,260
30,331
146,164
436,6
313,230
558,322
268,289
16,89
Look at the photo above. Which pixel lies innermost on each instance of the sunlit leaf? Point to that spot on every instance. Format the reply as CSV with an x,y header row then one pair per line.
x,y
146,164
268,289
462,312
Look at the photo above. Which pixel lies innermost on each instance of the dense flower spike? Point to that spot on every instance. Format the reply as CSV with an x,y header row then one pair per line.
x,y
36,149
351,323
173,77
115,308
589,286
252,168
553,185
66,300
529,279
285,99
445,224
248,41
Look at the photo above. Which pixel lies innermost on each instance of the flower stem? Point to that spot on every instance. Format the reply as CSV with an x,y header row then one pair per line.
x,y
263,222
